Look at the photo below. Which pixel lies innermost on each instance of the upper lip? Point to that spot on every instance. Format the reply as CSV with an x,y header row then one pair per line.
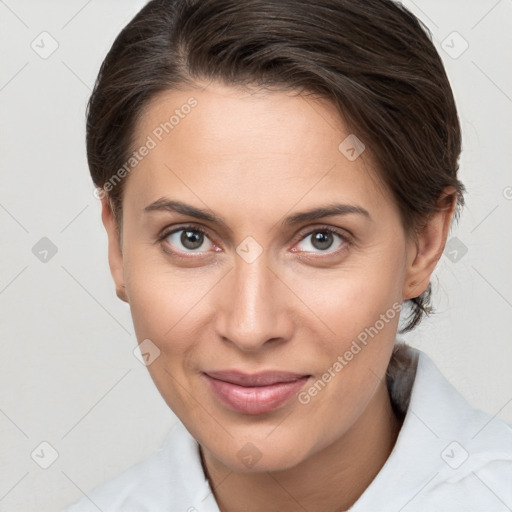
x,y
266,378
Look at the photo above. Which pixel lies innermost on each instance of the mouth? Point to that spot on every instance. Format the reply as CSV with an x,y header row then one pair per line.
x,y
254,393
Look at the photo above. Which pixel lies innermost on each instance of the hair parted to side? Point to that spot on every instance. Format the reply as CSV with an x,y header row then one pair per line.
x,y
372,59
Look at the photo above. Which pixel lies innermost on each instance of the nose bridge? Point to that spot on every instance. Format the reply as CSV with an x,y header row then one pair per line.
x,y
251,314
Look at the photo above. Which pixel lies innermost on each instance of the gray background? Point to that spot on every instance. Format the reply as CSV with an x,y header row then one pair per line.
x,y
68,376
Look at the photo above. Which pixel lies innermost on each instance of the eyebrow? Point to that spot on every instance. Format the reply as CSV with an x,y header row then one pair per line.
x,y
325,211
164,204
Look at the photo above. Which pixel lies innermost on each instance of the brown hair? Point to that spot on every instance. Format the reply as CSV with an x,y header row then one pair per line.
x,y
372,59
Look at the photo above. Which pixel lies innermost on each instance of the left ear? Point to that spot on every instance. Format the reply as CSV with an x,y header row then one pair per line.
x,y
427,248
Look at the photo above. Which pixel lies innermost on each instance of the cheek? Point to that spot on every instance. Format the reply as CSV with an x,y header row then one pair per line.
x,y
354,298
359,308
167,303
159,307
156,298
165,310
360,311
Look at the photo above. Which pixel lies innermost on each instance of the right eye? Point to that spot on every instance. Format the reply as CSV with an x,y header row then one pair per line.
x,y
187,239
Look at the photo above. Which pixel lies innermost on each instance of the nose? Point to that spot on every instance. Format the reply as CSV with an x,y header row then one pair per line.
x,y
252,307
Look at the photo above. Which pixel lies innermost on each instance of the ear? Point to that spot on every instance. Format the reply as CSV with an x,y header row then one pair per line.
x,y
115,254
427,247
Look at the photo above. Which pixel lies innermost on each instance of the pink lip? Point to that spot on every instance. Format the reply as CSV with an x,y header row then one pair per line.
x,y
256,393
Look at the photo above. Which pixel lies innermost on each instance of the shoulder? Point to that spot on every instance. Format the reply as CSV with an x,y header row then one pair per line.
x,y
475,457
448,456
170,477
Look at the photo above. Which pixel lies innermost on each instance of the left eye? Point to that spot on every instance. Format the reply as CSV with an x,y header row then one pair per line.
x,y
321,240
189,239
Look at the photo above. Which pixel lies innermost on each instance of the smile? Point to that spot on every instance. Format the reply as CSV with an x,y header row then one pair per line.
x,y
255,394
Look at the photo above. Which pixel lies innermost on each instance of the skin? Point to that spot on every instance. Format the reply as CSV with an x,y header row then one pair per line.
x,y
254,158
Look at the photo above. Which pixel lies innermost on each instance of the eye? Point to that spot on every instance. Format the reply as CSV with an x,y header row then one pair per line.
x,y
322,240
188,239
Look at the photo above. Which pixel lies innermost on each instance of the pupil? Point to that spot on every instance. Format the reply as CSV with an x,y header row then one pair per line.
x,y
322,240
191,239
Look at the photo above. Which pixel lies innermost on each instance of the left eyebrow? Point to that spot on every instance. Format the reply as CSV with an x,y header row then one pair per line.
x,y
325,211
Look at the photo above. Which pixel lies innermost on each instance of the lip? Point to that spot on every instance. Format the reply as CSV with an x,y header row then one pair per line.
x,y
254,393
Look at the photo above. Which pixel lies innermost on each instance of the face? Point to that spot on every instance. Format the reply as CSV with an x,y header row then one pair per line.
x,y
265,266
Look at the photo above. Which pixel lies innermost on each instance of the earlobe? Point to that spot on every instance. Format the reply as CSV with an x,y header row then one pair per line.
x,y
427,248
115,254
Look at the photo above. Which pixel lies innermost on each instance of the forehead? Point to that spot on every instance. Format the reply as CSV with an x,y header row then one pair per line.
x,y
249,145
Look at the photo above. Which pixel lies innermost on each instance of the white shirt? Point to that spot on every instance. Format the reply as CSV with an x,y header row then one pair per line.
x,y
448,457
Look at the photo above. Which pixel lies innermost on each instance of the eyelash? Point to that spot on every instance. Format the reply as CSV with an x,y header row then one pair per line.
x,y
345,237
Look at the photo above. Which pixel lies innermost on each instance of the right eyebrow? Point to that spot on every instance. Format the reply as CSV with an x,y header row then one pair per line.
x,y
165,204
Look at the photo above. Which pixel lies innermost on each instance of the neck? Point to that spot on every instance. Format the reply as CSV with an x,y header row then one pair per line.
x,y
332,479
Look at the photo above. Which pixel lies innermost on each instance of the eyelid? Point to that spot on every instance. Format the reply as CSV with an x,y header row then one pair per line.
x,y
191,227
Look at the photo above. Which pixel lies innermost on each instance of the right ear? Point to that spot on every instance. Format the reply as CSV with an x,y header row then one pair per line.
x,y
115,254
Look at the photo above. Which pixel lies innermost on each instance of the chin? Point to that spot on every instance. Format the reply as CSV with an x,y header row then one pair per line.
x,y
264,461
260,452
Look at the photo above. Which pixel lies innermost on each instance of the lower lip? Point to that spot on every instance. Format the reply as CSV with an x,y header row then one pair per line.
x,y
257,399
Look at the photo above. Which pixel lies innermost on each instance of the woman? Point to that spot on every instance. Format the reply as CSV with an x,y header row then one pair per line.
x,y
277,180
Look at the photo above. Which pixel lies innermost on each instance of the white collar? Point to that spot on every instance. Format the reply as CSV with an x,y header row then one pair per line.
x,y
439,431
